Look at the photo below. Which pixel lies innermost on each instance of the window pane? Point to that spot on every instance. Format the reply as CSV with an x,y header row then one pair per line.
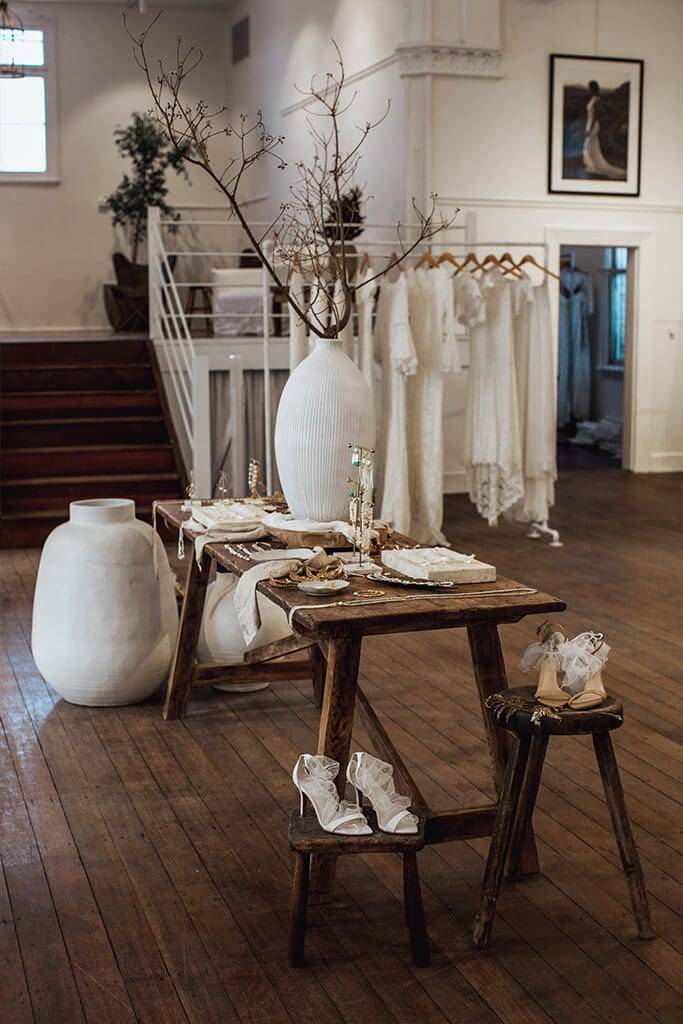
x,y
25,47
621,258
618,317
23,148
22,100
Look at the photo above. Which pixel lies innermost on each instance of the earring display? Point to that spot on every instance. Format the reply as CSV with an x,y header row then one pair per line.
x,y
361,503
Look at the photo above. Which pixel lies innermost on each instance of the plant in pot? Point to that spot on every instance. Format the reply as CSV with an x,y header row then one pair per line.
x,y
152,153
326,402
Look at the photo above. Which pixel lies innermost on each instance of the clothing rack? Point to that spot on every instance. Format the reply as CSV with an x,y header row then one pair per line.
x,y
462,238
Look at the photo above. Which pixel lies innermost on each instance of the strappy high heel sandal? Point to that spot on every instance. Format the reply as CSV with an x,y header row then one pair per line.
x,y
544,656
314,776
583,659
375,780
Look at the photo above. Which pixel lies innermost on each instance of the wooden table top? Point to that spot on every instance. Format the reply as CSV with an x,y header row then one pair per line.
x,y
424,610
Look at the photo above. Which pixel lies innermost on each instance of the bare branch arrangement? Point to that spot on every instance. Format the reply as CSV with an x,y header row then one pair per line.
x,y
308,233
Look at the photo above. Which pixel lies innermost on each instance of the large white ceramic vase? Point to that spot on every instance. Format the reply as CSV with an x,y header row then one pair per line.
x,y
221,640
326,404
104,625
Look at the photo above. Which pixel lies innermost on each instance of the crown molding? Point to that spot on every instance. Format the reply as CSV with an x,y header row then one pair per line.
x,y
448,60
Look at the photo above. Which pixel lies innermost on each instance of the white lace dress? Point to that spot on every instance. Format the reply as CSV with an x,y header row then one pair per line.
x,y
493,455
432,322
535,386
395,351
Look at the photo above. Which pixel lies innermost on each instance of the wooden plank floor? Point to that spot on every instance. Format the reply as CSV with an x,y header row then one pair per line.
x,y
145,872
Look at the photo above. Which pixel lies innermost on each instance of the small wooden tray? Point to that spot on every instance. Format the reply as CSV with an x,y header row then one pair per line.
x,y
328,540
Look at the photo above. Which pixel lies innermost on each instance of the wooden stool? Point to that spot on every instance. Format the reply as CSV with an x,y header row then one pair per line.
x,y
306,837
532,725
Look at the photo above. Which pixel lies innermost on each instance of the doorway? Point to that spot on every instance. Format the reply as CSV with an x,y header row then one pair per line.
x,y
595,314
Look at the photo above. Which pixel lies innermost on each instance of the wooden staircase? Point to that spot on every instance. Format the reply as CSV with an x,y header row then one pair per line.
x,y
81,419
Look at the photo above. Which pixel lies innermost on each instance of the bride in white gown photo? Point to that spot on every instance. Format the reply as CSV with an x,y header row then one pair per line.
x,y
593,159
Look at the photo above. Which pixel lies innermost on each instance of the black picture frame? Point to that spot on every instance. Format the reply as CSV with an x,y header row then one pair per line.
x,y
567,172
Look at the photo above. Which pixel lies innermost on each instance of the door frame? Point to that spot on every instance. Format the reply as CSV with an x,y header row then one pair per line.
x,y
639,242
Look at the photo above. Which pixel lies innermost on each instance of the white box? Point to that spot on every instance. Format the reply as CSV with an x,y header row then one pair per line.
x,y
439,565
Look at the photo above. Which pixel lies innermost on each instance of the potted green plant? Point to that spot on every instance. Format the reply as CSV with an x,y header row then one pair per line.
x,y
144,142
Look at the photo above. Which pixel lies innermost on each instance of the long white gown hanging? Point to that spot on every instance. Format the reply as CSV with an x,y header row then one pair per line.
x,y
396,354
298,342
535,382
493,456
365,295
432,322
574,370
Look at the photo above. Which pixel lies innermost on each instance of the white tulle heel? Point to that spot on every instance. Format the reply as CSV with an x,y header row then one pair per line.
x,y
314,776
375,780
583,659
544,657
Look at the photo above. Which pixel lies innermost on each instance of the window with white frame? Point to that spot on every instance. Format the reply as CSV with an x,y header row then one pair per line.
x,y
27,123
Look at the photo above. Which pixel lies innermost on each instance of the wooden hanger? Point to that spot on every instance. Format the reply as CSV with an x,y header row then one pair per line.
x,y
425,258
364,264
447,257
471,257
534,262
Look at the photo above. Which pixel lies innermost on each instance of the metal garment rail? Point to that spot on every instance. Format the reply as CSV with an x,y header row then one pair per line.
x,y
460,237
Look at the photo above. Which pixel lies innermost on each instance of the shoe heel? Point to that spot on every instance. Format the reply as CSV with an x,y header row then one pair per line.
x,y
302,802
359,797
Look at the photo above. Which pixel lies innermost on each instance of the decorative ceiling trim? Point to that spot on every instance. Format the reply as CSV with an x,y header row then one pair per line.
x,y
634,206
450,60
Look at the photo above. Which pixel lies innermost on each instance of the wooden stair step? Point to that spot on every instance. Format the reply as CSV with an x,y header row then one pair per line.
x,y
79,460
43,493
78,377
88,351
31,529
84,430
72,404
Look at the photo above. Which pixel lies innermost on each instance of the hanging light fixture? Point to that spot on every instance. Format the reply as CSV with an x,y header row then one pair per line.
x,y
10,27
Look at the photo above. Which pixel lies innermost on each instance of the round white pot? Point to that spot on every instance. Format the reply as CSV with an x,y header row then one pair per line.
x,y
104,628
325,406
221,640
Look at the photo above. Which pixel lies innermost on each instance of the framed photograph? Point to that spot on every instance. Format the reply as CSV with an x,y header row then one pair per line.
x,y
595,127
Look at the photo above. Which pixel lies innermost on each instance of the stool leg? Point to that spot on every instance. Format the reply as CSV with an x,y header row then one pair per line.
x,y
414,911
500,842
609,772
527,802
298,911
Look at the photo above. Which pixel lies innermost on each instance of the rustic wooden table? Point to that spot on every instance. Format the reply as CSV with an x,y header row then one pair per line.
x,y
338,631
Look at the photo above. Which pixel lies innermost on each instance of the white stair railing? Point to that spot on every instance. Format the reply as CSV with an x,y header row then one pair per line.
x,y
187,372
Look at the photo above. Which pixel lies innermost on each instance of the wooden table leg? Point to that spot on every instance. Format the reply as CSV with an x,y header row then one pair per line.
x,y
414,911
182,666
490,676
334,737
628,852
318,669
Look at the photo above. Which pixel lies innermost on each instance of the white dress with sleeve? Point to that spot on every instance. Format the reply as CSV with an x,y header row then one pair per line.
x,y
365,302
493,456
396,354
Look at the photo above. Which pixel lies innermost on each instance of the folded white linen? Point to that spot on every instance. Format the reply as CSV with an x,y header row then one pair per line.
x,y
246,605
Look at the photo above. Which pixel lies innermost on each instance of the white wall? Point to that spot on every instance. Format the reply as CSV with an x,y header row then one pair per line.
x,y
55,244
489,155
290,42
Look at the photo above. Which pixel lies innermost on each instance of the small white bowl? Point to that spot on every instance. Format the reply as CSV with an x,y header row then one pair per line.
x,y
322,587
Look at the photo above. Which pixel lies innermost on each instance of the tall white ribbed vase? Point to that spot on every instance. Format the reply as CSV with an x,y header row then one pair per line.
x,y
325,406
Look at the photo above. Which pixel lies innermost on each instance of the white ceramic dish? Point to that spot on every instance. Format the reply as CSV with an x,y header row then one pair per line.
x,y
318,587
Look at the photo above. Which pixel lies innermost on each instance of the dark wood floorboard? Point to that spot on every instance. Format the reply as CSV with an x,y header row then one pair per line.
x,y
144,865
